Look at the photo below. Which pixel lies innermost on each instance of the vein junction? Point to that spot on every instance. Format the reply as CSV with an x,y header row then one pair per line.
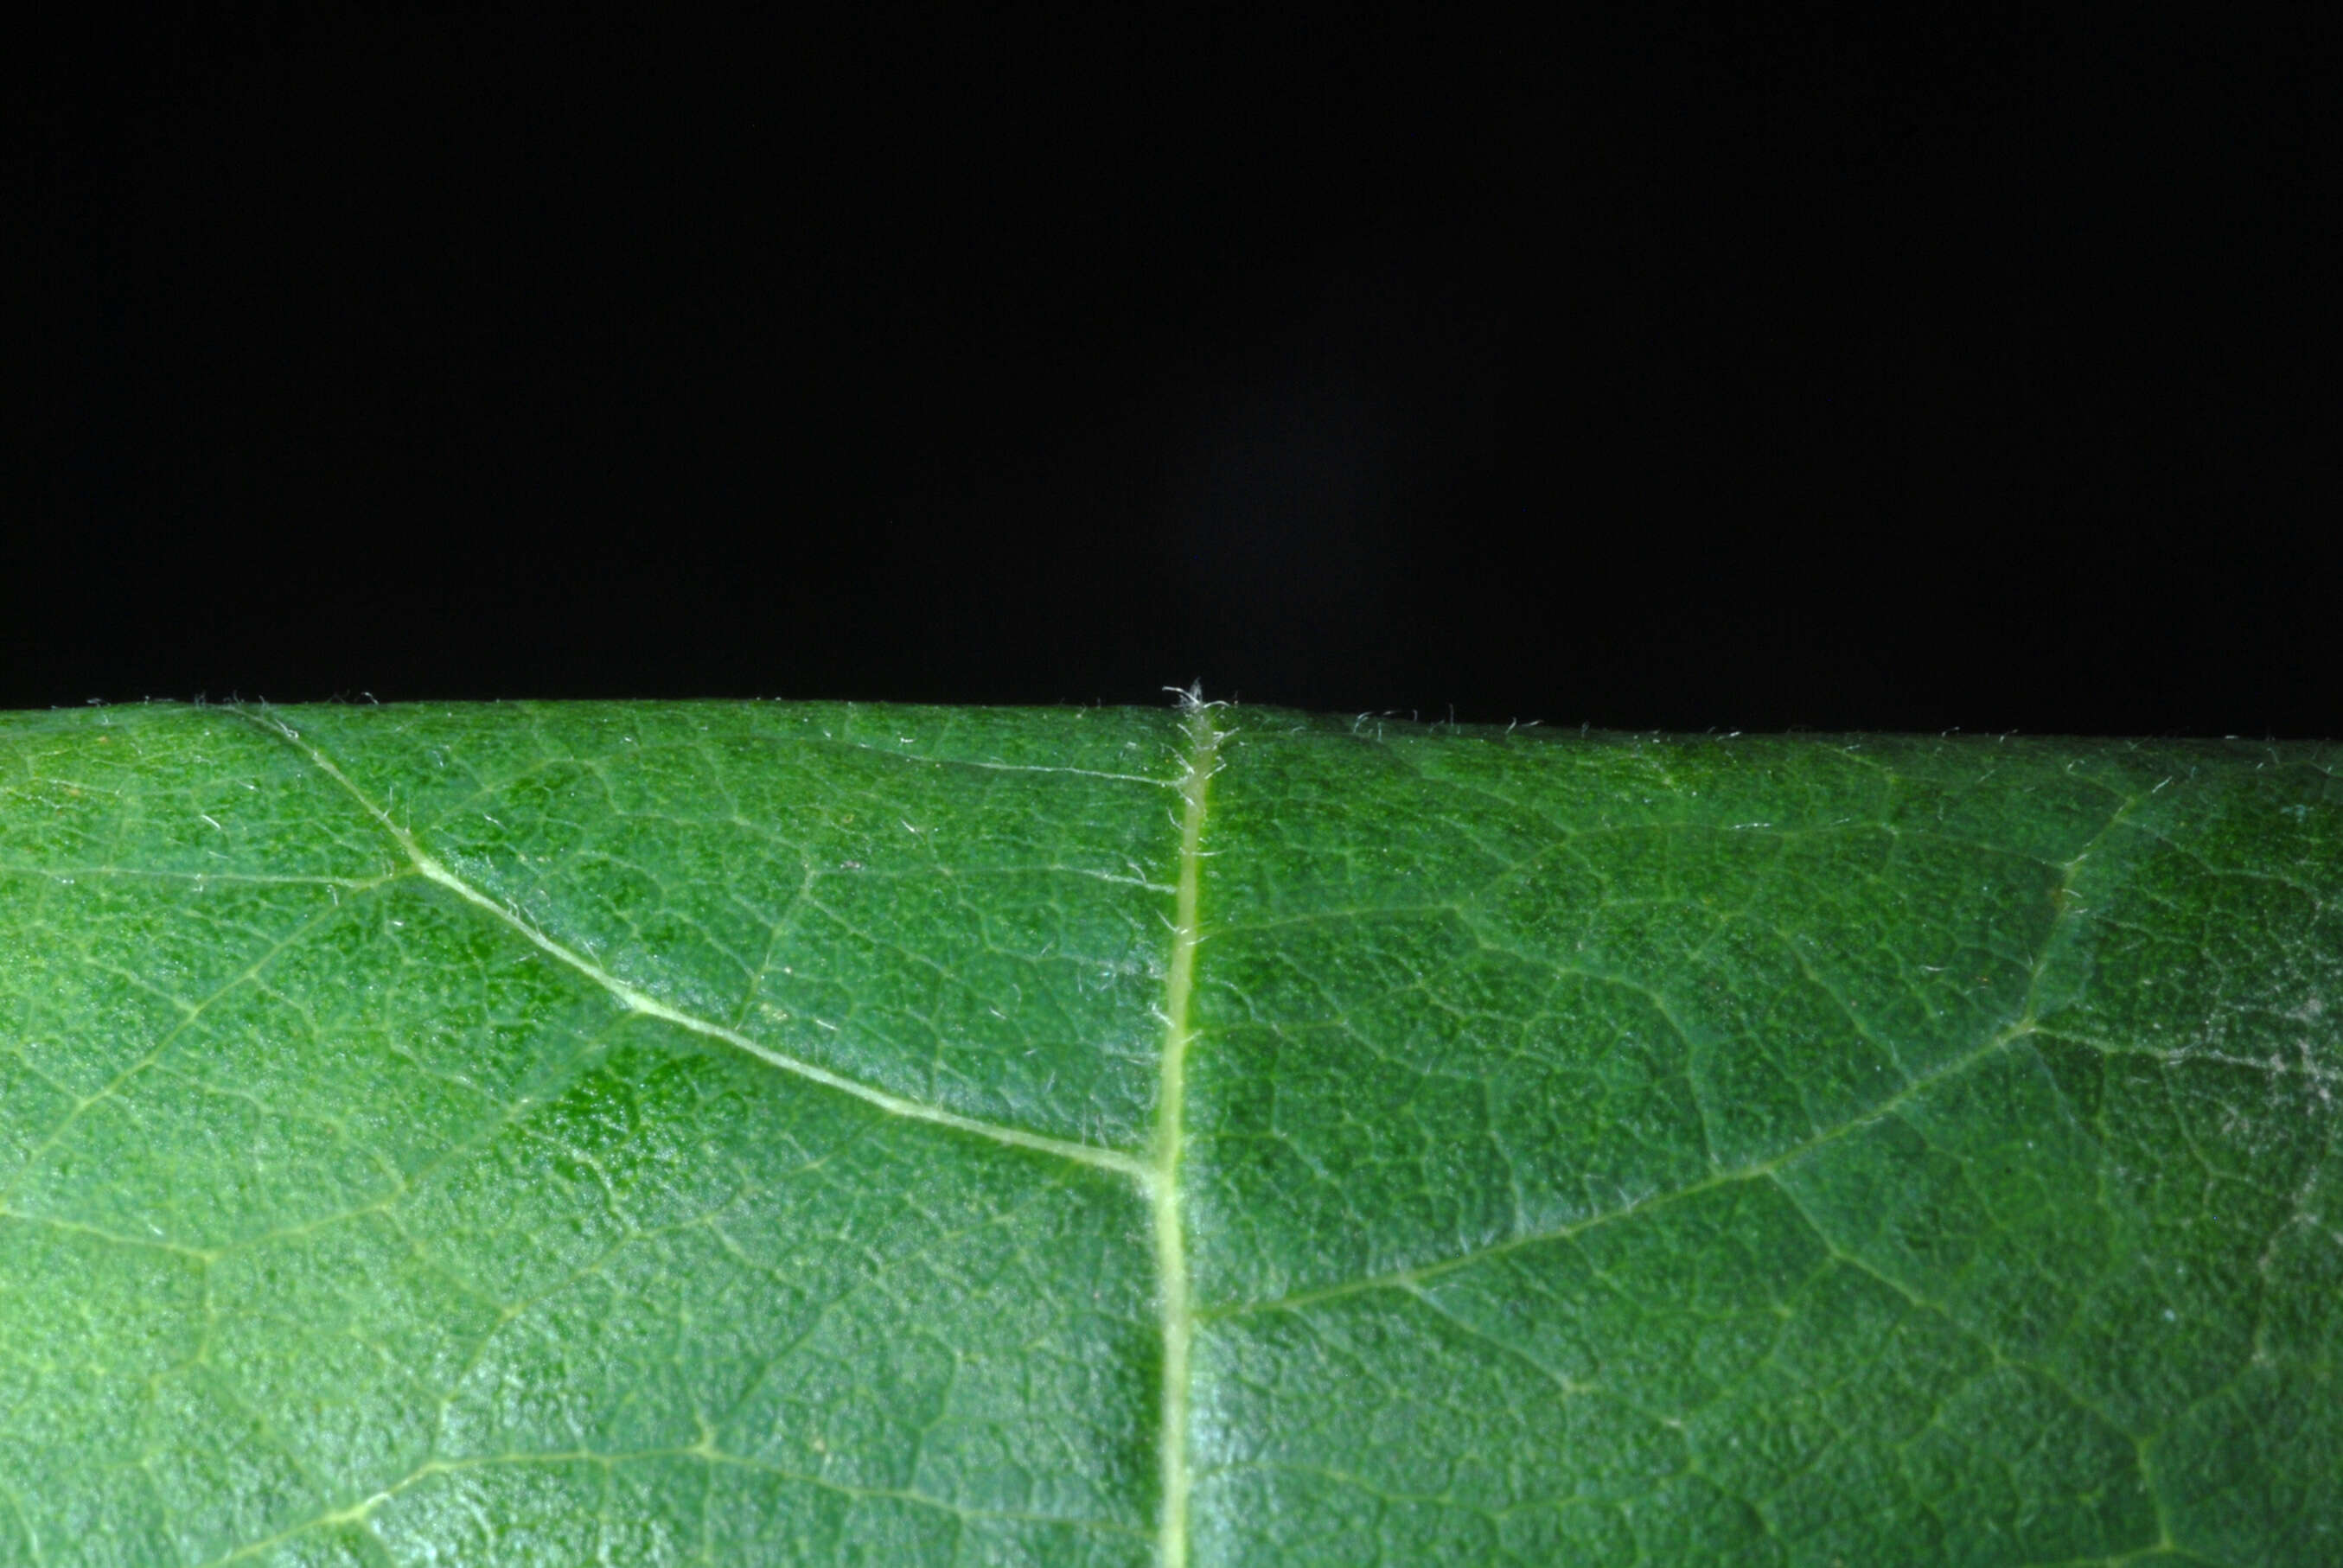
x,y
1157,1174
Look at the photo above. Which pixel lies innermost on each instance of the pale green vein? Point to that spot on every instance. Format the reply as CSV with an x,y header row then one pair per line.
x,y
1418,1274
25,1521
1006,767
360,1514
236,879
189,1013
206,1256
432,869
1174,1304
2025,1026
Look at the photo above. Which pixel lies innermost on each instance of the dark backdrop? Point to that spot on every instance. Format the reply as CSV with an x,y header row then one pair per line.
x,y
1684,372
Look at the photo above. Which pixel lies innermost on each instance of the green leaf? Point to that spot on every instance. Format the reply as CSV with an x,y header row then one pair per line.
x,y
755,1133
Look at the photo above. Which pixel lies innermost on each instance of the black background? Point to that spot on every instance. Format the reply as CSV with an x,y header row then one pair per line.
x,y
1830,369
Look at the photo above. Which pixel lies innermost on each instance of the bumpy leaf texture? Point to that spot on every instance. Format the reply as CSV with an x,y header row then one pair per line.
x,y
752,1133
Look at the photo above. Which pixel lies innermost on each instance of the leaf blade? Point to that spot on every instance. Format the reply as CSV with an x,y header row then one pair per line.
x,y
1738,1149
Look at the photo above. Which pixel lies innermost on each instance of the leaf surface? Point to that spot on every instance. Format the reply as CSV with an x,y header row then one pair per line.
x,y
763,1133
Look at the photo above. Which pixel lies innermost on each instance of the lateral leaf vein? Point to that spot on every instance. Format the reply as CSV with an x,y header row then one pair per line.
x,y
432,869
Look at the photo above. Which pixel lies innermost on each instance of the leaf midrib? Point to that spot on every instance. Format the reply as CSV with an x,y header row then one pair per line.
x,y
1176,1311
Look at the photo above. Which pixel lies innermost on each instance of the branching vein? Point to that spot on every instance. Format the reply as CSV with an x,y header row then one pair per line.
x,y
432,869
